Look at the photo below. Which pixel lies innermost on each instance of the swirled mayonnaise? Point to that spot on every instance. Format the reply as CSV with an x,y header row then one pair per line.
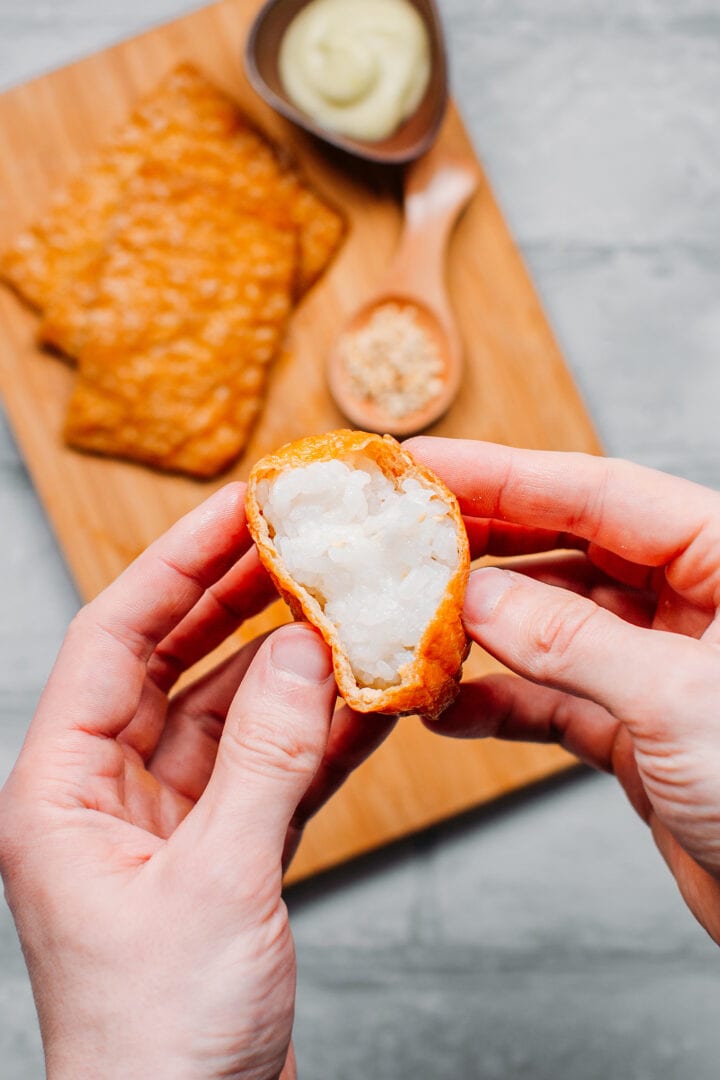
x,y
358,67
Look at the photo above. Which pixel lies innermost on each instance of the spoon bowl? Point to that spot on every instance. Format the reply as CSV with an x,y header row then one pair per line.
x,y
436,190
365,413
412,139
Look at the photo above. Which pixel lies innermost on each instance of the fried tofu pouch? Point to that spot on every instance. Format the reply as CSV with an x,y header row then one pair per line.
x,y
370,547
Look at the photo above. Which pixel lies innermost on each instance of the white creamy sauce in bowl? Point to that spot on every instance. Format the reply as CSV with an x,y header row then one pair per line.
x,y
356,67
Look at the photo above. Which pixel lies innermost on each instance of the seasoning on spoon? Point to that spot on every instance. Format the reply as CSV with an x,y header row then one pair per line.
x,y
392,362
357,67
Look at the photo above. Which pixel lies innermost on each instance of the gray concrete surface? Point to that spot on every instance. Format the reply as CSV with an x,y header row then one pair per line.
x,y
544,939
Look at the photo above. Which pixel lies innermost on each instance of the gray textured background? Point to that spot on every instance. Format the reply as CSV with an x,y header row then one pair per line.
x,y
542,940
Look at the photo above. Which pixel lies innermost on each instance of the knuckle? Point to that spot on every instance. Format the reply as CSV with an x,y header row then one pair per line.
x,y
555,634
269,748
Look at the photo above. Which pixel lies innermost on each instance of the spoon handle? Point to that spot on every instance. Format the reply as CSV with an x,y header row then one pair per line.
x,y
437,188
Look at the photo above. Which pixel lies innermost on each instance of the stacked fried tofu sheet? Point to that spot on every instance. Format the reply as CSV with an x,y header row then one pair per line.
x,y
168,271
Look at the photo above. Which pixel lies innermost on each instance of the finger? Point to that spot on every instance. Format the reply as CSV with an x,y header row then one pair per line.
x,y
644,677
159,588
506,539
633,574
155,721
353,738
620,506
514,709
666,609
664,687
185,754
511,708
488,536
274,739
97,682
244,591
575,572
677,615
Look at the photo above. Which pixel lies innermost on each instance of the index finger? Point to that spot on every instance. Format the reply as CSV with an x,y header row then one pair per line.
x,y
638,513
353,738
98,678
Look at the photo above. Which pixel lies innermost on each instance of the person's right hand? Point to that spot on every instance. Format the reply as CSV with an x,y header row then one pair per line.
x,y
616,639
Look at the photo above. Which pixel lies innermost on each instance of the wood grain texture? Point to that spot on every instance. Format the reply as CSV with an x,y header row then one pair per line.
x,y
516,387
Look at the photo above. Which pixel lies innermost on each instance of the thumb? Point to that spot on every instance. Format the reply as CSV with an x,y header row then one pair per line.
x,y
662,687
654,681
273,741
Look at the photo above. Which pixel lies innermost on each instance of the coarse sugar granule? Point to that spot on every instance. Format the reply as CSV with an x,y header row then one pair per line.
x,y
392,361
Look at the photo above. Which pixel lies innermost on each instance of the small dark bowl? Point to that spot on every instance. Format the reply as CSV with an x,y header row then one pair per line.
x,y
410,141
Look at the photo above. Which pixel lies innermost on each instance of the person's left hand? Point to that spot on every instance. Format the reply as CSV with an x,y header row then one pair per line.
x,y
142,836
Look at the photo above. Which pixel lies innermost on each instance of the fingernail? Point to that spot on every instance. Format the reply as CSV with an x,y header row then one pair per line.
x,y
485,590
302,653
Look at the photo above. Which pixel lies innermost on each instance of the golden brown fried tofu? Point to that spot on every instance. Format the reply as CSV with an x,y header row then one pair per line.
x,y
192,300
195,130
370,547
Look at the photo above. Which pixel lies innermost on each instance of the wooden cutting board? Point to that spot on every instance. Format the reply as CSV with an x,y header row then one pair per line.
x,y
516,387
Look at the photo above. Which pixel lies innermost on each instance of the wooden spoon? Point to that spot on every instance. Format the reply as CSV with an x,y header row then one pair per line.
x,y
437,188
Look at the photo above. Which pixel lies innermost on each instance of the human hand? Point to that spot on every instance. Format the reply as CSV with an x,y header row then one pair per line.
x,y
616,638
142,835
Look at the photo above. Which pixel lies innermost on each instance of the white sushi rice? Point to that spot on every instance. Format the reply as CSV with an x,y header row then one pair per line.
x,y
377,559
